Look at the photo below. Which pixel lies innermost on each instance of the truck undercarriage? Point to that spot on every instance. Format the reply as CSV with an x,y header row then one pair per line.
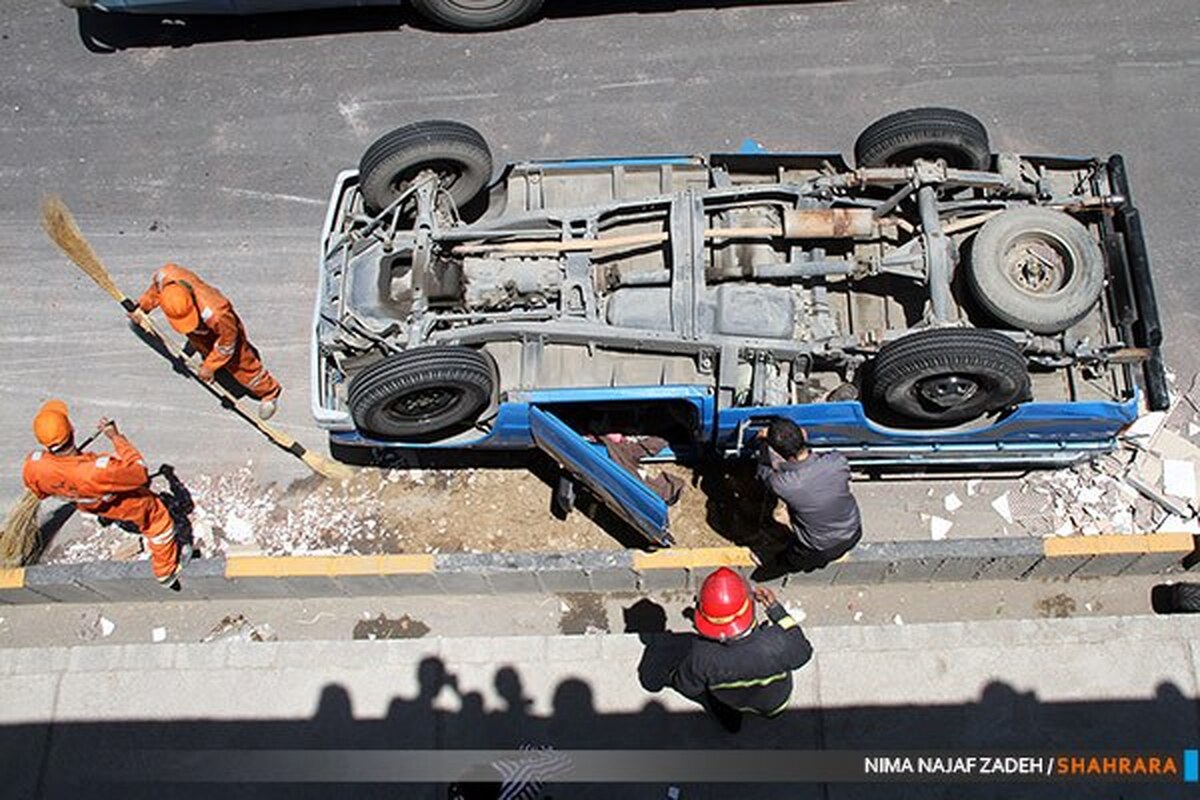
x,y
774,280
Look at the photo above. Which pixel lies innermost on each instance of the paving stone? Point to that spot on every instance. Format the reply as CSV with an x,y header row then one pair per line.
x,y
573,648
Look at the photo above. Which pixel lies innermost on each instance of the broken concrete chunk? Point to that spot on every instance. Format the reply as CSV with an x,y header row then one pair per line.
x,y
973,487
1146,425
107,626
1149,492
158,635
1000,504
1170,444
1179,479
951,502
939,527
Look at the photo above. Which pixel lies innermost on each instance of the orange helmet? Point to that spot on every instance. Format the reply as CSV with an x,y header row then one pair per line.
x,y
180,308
51,426
724,609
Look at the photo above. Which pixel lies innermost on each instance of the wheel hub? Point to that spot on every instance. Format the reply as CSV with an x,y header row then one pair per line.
x,y
1037,266
424,403
947,391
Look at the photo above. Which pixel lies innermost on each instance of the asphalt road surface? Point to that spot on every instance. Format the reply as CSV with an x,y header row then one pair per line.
x,y
215,145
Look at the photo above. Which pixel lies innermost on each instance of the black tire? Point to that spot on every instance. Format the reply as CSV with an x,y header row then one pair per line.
x,y
1036,269
1185,598
478,15
455,151
927,133
948,375
421,394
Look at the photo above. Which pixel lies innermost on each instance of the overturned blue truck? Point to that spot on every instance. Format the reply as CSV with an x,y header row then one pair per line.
x,y
936,303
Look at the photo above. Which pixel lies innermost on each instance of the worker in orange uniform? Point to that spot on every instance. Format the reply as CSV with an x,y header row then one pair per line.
x,y
213,328
115,486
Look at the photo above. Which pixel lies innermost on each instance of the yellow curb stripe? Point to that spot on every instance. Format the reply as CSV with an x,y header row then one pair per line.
x,y
326,566
12,578
1118,544
693,558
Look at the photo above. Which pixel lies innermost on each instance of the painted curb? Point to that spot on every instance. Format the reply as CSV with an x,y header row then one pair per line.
x,y
594,571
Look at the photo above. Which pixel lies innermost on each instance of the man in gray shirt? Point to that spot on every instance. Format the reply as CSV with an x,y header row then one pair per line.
x,y
815,487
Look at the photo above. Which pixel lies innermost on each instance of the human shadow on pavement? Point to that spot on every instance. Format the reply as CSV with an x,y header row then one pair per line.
x,y
337,751
663,649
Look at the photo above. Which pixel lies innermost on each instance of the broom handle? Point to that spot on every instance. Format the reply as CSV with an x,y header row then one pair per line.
x,y
215,389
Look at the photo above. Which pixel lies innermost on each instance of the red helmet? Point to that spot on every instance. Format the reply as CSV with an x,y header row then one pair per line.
x,y
724,609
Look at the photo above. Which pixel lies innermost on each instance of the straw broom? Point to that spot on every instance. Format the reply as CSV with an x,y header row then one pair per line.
x,y
61,227
19,538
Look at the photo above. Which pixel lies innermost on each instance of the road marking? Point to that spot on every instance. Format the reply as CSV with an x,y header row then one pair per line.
x,y
635,84
291,198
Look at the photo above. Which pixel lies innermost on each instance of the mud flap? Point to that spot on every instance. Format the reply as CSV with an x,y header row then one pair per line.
x,y
625,495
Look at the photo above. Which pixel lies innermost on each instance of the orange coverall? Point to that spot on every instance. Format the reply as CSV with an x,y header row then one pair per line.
x,y
112,485
221,337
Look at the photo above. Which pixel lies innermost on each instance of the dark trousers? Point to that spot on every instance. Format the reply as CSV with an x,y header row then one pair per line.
x,y
804,559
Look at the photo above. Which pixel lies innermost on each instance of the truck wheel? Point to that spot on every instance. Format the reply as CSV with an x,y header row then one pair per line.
x,y
1036,269
456,152
927,133
1185,598
948,375
478,15
422,393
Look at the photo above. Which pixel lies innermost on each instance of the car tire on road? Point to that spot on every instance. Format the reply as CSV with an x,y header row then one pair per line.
x,y
456,152
927,133
422,394
947,375
1036,269
478,15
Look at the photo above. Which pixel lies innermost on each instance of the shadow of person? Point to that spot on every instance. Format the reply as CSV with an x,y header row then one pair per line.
x,y
663,649
48,528
416,723
333,721
575,723
179,502
511,723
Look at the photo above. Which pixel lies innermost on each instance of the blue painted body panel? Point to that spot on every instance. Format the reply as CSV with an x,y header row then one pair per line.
x,y
1032,428
620,489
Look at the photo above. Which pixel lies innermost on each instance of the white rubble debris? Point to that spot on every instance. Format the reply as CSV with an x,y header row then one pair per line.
x,y
951,502
237,627
1179,479
1000,504
939,527
1146,426
107,626
237,529
973,486
158,635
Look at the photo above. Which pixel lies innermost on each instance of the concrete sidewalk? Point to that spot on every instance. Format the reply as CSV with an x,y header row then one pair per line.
x,y
1076,684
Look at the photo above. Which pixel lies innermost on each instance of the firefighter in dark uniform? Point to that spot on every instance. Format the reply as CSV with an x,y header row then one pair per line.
x,y
736,666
